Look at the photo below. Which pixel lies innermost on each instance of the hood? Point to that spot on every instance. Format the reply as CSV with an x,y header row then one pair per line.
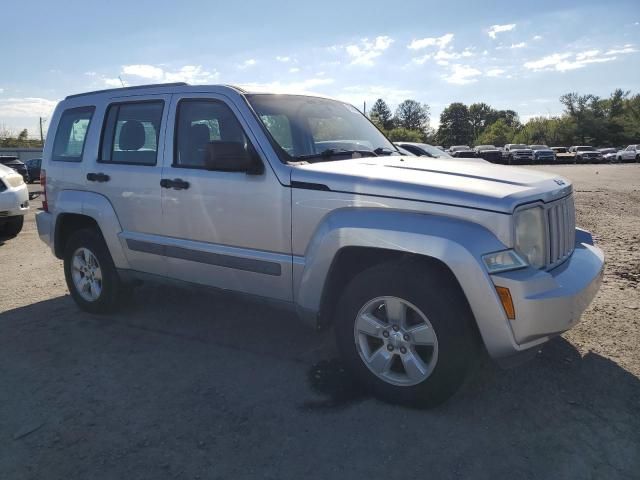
x,y
526,150
544,150
470,183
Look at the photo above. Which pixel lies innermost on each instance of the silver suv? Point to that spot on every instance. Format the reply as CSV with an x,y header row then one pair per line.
x,y
416,265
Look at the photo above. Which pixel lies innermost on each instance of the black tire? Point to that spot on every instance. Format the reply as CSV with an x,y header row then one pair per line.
x,y
110,295
440,299
12,226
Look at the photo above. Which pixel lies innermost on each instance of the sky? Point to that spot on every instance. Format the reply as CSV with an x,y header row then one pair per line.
x,y
510,54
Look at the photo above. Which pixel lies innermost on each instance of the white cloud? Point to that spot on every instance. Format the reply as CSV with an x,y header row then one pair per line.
x,y
495,29
366,51
461,74
440,42
283,59
537,37
294,70
26,107
90,74
495,72
303,86
112,82
421,60
622,51
563,62
133,74
193,74
143,71
247,63
356,94
518,45
1,90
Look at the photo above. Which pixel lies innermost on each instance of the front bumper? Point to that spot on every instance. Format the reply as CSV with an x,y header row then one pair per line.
x,y
14,202
548,303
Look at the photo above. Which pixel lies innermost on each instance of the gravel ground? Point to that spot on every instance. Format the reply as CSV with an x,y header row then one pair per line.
x,y
185,384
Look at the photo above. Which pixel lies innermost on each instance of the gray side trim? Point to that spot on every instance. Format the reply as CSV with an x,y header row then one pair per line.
x,y
218,259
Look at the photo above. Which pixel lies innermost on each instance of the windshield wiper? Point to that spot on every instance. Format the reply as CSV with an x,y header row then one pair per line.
x,y
335,152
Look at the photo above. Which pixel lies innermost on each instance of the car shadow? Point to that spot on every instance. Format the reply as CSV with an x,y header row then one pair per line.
x,y
171,351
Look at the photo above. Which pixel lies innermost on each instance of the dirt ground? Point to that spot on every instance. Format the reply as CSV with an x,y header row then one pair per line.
x,y
191,385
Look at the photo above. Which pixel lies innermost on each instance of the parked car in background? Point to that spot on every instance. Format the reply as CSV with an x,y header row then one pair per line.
x,y
33,167
423,149
14,202
404,151
629,154
586,154
461,151
542,154
489,153
17,165
518,154
418,266
609,154
440,147
563,155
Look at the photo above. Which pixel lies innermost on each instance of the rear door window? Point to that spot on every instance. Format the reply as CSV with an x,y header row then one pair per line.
x,y
131,133
71,134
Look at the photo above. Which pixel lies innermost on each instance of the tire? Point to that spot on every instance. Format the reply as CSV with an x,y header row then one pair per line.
x,y
103,295
422,291
12,226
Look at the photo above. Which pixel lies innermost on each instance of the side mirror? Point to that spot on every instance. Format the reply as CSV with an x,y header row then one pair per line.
x,y
232,157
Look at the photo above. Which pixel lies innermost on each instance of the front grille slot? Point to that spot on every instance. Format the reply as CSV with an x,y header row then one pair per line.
x,y
562,231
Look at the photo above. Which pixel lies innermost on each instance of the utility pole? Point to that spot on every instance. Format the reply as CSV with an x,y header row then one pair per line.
x,y
365,107
41,134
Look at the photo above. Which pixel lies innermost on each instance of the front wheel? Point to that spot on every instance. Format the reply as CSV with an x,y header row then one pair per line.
x,y
91,276
12,226
406,334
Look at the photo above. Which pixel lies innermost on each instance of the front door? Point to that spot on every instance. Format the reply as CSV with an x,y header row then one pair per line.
x,y
226,229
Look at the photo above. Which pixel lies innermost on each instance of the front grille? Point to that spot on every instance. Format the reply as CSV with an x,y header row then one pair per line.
x,y
561,219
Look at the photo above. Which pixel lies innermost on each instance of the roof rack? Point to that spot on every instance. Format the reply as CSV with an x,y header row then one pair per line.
x,y
175,84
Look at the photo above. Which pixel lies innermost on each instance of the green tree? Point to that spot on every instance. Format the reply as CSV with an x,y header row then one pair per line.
x,y
498,133
480,115
23,136
455,126
381,115
400,134
412,115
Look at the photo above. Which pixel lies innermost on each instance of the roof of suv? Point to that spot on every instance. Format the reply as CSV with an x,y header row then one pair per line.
x,y
182,86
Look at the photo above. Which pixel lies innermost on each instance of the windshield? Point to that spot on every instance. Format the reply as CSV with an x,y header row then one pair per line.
x,y
539,147
308,128
518,146
586,149
485,147
457,148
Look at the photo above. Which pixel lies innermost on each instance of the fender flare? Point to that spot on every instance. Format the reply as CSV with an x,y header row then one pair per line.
x,y
457,243
98,208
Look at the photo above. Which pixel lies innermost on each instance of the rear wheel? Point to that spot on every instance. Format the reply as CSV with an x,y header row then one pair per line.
x,y
91,276
12,226
406,334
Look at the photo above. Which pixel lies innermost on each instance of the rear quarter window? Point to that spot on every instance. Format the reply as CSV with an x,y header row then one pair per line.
x,y
71,134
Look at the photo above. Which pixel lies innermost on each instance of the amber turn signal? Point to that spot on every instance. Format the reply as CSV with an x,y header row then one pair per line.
x,y
507,302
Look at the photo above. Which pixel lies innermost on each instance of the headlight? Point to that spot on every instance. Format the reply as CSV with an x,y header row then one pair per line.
x,y
530,236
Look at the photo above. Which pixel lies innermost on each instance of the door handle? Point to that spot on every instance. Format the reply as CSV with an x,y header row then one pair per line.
x,y
98,177
176,183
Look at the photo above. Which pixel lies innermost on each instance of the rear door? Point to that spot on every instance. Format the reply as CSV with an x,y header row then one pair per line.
x,y
227,229
127,171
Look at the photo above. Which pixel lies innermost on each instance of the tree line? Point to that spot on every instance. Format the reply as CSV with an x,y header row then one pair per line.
x,y
8,139
586,120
